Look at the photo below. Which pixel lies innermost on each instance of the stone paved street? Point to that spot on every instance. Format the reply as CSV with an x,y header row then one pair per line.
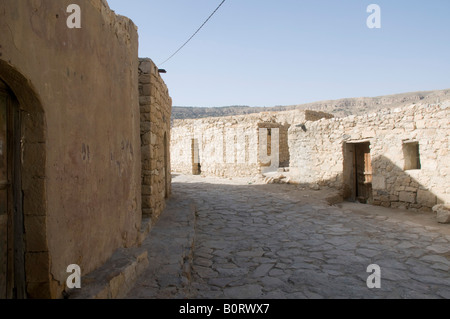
x,y
222,238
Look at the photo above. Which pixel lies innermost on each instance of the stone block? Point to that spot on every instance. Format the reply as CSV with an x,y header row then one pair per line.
x,y
146,165
37,267
35,233
147,180
146,89
421,124
153,91
146,190
145,152
144,79
33,127
145,127
33,160
145,117
368,134
145,138
116,285
379,182
142,263
34,197
414,185
145,67
426,198
153,139
410,126
408,197
393,198
442,213
144,100
130,277
398,205
146,202
147,212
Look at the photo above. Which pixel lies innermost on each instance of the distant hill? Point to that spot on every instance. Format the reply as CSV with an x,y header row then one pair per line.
x,y
339,108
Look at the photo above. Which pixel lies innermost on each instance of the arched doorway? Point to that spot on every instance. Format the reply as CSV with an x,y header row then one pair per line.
x,y
24,264
12,254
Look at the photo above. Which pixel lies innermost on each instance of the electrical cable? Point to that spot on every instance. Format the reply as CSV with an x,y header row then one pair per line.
x,y
194,33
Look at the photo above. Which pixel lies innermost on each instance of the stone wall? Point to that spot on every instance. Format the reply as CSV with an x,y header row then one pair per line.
x,y
230,146
409,152
214,145
156,107
77,90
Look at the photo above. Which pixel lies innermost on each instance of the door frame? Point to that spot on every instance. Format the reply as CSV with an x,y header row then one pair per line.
x,y
350,170
31,183
15,273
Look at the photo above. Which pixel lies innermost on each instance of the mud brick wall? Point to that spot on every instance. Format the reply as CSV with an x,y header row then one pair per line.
x,y
77,91
156,107
398,139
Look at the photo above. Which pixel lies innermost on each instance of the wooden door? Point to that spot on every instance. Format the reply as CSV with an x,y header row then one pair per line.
x,y
363,170
196,168
12,270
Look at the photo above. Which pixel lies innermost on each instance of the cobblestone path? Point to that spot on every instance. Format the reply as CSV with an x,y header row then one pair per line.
x,y
274,241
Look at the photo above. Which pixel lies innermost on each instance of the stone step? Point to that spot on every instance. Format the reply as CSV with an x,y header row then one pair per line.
x,y
115,278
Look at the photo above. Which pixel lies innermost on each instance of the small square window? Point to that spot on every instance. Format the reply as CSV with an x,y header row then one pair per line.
x,y
411,154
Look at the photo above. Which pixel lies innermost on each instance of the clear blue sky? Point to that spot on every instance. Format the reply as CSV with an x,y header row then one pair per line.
x,y
284,52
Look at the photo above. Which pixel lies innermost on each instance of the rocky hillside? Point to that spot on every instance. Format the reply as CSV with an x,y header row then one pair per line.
x,y
339,108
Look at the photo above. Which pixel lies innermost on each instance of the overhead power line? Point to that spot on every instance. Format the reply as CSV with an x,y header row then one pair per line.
x,y
195,33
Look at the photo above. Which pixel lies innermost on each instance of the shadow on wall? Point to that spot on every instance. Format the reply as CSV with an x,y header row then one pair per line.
x,y
398,188
382,183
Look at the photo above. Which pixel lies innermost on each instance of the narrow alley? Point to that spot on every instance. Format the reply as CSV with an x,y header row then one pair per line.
x,y
223,238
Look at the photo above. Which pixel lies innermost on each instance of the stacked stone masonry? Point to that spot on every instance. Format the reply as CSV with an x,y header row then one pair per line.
x,y
156,107
230,146
395,158
407,155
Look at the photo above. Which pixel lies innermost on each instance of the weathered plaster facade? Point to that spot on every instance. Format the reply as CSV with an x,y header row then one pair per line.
x,y
78,151
402,155
156,108
230,146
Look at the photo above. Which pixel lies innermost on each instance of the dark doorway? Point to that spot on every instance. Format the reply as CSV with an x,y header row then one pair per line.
x,y
12,270
196,168
411,154
358,171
